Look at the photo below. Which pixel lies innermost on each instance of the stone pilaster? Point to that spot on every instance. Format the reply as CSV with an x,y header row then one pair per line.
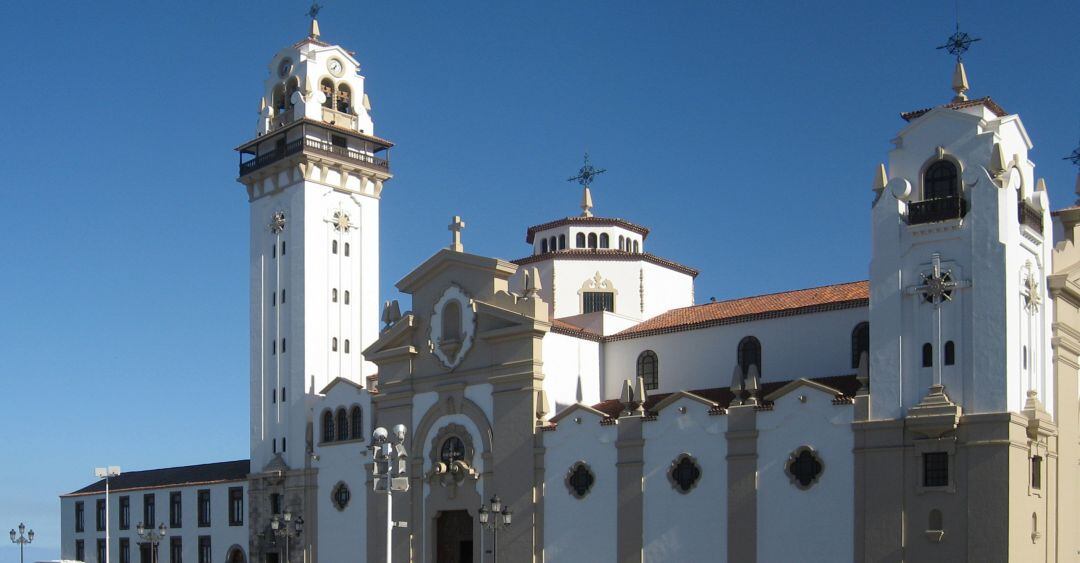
x,y
629,465
742,456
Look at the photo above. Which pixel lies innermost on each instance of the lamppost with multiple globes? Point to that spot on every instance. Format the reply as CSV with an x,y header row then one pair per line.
x,y
106,473
152,537
390,474
286,527
22,539
495,516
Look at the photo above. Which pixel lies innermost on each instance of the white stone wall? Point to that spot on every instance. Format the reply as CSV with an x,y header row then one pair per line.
x,y
343,532
692,526
816,524
567,538
566,359
222,535
811,345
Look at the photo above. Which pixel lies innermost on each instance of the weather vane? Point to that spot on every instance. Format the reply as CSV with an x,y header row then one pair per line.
x,y
1075,156
587,173
313,12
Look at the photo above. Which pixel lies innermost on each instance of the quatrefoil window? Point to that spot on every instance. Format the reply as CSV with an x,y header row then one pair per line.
x,y
684,473
804,467
580,479
341,496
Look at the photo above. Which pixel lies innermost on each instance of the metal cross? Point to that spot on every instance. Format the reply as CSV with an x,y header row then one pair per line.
x,y
313,12
959,43
936,288
455,227
587,173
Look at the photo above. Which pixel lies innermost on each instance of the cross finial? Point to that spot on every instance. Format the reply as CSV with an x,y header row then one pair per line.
x,y
313,13
456,225
586,174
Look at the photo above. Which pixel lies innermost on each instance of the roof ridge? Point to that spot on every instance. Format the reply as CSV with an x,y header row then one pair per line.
x,y
828,285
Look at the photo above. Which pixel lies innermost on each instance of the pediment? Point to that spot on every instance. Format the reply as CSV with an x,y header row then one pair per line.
x,y
579,409
800,384
342,381
681,396
398,335
446,259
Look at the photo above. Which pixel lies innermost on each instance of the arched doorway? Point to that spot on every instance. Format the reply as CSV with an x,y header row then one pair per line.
x,y
236,555
454,537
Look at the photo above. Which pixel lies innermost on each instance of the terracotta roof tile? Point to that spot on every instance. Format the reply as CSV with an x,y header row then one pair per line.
x,y
985,101
802,301
606,254
579,220
562,327
846,384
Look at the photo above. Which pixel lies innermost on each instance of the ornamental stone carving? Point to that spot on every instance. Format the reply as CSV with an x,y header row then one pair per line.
x,y
451,456
452,327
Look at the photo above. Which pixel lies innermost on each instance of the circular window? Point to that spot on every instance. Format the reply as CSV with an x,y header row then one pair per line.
x,y
684,473
341,496
580,479
804,467
453,449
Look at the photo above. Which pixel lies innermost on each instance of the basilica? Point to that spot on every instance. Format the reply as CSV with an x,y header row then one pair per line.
x,y
575,403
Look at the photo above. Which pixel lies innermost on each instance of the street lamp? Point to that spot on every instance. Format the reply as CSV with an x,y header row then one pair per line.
x,y
390,474
106,472
21,539
152,536
494,516
280,526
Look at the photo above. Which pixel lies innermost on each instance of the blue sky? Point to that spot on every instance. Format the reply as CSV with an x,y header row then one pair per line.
x,y
744,135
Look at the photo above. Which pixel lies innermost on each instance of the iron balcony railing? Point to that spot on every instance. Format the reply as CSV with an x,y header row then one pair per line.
x,y
1028,215
316,146
937,210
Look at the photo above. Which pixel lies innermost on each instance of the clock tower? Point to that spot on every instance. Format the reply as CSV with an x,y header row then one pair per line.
x,y
314,173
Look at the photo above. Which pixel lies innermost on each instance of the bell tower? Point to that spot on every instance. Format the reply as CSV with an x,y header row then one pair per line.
x,y
314,174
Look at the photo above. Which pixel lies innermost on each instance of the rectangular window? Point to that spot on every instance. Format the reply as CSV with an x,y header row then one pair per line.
x,y
273,251
275,503
236,505
204,508
346,297
176,550
204,549
101,550
125,550
79,518
1036,472
346,249
144,553
99,515
282,345
273,445
273,396
148,510
176,510
273,347
283,444
283,296
936,469
593,301
283,248
125,512
338,141
80,550
282,394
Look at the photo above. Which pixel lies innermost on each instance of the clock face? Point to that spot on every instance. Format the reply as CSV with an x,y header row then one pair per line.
x,y
335,67
284,68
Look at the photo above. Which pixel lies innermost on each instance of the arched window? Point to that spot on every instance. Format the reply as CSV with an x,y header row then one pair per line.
x,y
592,240
344,99
327,87
927,355
327,426
860,342
543,246
346,297
342,425
333,246
648,368
950,353
940,181
562,242
622,242
333,344
333,295
290,88
749,354
346,249
580,241
636,247
605,241
451,321
346,345
280,104
356,424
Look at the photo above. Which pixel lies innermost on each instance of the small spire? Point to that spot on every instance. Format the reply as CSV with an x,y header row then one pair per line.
x,y
640,396
262,105
736,386
586,203
998,164
960,83
862,375
313,13
881,178
753,384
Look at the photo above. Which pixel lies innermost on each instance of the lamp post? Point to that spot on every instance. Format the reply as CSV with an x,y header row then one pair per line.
x,y
495,516
106,473
281,527
390,474
152,537
21,539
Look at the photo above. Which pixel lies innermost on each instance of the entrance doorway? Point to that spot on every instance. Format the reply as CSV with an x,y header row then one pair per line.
x,y
454,537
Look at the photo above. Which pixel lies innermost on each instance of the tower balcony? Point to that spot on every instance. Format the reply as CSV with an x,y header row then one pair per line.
x,y
1028,215
306,136
937,210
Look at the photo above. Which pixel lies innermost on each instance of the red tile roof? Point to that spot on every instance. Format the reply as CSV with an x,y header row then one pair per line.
x,y
607,254
789,303
562,327
579,220
847,385
986,101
